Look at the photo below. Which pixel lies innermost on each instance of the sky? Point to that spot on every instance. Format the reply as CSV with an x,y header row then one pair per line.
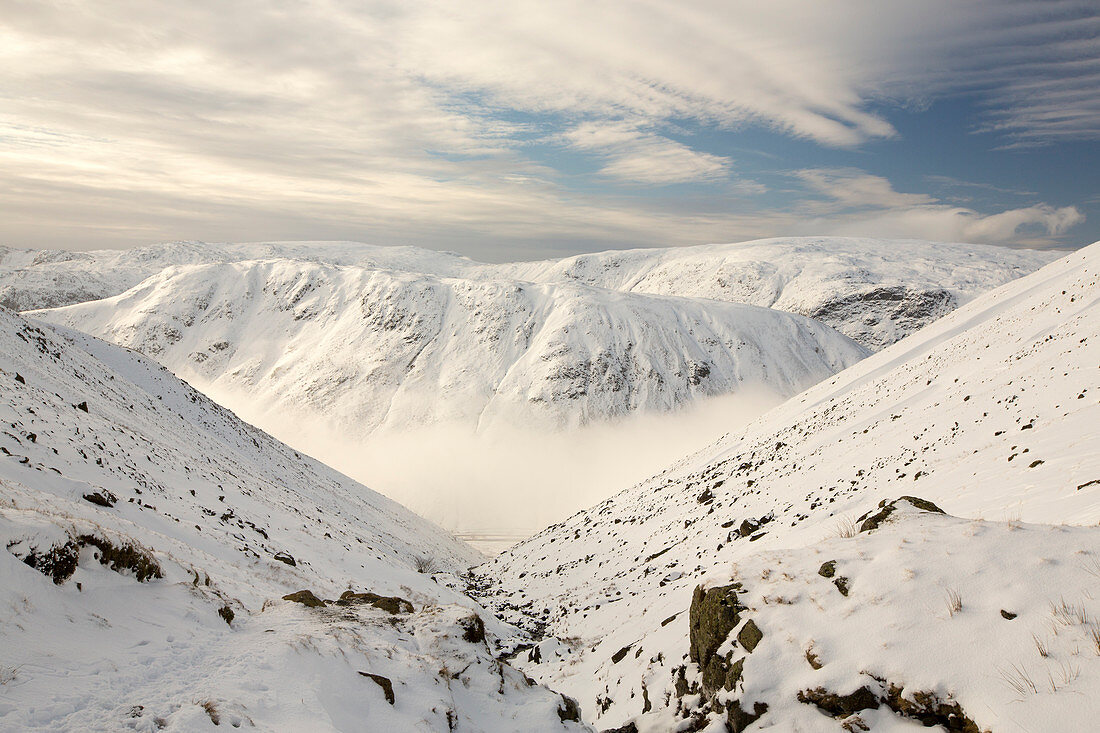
x,y
506,130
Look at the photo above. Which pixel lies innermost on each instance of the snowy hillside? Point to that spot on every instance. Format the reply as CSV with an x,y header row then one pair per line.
x,y
368,349
31,279
875,291
150,538
872,290
992,413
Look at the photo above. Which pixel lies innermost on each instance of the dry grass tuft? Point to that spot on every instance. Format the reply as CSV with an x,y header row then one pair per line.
x,y
8,674
1069,614
1092,630
1043,651
954,601
845,528
211,711
1018,679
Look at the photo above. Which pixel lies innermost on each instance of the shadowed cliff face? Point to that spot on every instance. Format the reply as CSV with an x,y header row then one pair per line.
x,y
879,317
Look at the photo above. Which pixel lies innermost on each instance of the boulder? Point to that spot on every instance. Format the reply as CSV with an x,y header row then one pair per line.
x,y
306,598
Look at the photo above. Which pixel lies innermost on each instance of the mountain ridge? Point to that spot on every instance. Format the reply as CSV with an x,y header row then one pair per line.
x,y
875,291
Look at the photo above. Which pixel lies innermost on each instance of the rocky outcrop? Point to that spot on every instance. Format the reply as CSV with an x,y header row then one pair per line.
x,y
389,604
871,521
306,598
714,613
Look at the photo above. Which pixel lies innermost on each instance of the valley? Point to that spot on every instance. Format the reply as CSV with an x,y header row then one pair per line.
x,y
151,524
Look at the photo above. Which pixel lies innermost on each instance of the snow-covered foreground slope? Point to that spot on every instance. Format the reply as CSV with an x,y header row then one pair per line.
x,y
875,291
369,349
992,413
149,538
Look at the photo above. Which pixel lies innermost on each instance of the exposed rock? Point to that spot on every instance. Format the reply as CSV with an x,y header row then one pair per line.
x,y
384,683
473,628
930,710
123,557
714,614
734,676
738,719
389,604
1009,615
749,635
854,724
306,598
827,569
227,614
680,683
285,557
569,709
58,563
840,706
102,498
869,522
619,655
841,584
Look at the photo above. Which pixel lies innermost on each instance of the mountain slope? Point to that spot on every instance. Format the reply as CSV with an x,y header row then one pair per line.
x,y
150,537
368,349
991,412
32,279
874,291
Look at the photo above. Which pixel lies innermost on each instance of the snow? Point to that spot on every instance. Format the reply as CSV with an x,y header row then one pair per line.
x,y
874,290
363,368
454,364
991,412
215,503
371,349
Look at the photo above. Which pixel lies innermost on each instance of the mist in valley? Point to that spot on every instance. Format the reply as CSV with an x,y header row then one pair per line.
x,y
495,487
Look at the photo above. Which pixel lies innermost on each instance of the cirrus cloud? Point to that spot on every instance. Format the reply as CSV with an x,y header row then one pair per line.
x,y
439,123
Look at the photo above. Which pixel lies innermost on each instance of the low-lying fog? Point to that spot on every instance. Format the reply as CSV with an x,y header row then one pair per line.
x,y
496,488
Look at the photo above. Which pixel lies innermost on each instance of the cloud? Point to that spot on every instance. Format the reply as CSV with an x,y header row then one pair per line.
x,y
125,121
855,203
634,156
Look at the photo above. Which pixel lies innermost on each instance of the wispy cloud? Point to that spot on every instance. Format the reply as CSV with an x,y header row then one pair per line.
x,y
125,120
634,156
855,203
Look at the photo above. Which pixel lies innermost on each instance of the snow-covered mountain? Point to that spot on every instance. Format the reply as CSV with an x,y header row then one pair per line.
x,y
875,291
984,623
32,279
364,349
150,538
